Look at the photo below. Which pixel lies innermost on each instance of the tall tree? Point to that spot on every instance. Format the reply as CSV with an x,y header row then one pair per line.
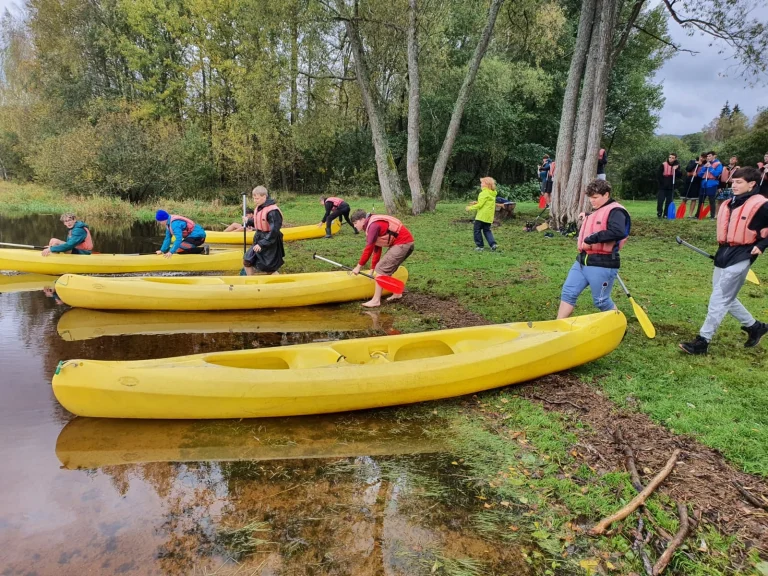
x,y
418,200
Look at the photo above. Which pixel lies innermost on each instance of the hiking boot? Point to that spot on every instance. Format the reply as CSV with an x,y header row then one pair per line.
x,y
206,249
698,346
755,333
479,249
327,236
493,248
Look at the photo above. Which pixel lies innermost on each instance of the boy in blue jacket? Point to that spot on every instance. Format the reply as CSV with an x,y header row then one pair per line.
x,y
188,237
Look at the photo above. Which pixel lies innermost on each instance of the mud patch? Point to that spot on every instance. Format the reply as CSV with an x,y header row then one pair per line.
x,y
448,313
702,478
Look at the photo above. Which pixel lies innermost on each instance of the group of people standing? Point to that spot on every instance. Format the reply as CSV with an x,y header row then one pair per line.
x,y
547,168
706,180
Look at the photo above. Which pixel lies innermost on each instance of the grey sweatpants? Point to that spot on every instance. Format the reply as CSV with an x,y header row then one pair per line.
x,y
726,283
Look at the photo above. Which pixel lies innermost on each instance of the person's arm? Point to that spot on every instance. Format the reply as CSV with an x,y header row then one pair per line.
x,y
328,210
660,175
166,241
716,170
616,229
275,221
177,228
377,251
371,236
78,235
760,221
678,173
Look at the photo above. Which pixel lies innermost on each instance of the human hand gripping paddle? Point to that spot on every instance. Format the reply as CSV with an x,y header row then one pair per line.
x,y
751,276
642,317
386,282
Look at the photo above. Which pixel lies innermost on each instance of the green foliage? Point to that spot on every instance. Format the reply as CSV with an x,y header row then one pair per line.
x,y
524,192
638,176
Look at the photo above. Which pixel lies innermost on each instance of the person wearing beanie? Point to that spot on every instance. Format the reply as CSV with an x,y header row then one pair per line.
x,y
187,237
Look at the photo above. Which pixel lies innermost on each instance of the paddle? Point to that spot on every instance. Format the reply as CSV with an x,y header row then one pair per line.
x,y
681,211
751,276
245,226
542,201
704,213
386,282
23,246
642,317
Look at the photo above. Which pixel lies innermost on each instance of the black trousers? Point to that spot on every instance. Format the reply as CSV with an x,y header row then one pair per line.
x,y
712,209
663,200
340,212
483,229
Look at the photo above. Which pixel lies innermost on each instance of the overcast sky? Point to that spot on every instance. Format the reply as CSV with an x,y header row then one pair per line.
x,y
695,87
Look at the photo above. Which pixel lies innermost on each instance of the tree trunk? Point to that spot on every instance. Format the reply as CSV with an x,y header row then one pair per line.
x,y
438,172
294,118
418,200
389,181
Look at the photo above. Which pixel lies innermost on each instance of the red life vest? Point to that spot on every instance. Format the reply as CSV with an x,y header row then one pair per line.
x,y
708,173
598,222
190,224
260,218
335,201
86,244
390,235
735,231
668,170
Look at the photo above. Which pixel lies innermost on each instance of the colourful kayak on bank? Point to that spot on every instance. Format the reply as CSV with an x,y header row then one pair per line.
x,y
335,376
25,282
83,324
289,234
57,264
215,292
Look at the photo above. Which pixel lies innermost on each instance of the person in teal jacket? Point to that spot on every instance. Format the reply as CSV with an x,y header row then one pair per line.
x,y
486,209
188,237
78,238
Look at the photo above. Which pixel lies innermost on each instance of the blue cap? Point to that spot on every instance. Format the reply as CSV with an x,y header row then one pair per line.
x,y
162,216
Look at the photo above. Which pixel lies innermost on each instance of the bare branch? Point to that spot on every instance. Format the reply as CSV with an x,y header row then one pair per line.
x,y
327,76
628,28
672,45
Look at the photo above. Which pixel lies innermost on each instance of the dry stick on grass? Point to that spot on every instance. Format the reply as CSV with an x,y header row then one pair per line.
x,y
682,532
548,401
749,497
638,500
629,459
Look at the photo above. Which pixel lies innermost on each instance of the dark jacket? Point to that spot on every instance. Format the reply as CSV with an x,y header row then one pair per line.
x,y
270,259
730,255
665,182
601,162
617,229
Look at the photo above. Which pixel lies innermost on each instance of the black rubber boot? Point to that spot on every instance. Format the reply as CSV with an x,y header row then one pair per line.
x,y
755,333
698,345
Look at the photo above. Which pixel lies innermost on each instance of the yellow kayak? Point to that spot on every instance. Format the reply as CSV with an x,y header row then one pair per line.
x,y
25,282
289,234
335,376
33,261
94,442
214,292
82,324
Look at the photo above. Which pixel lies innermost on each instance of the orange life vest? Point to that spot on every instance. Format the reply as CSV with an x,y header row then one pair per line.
x,y
725,176
735,231
260,217
708,174
335,201
600,154
598,222
190,224
86,244
668,170
390,235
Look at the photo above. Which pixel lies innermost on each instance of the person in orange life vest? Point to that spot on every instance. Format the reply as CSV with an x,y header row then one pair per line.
x,y
238,227
692,184
188,237
382,231
267,253
334,208
602,235
668,176
725,192
602,160
742,233
763,167
78,238
710,180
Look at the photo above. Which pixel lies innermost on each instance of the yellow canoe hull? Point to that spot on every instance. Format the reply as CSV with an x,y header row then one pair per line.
x,y
25,282
57,264
289,234
87,443
215,292
83,324
336,376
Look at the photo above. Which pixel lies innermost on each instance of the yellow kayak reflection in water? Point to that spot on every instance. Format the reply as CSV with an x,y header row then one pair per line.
x,y
25,282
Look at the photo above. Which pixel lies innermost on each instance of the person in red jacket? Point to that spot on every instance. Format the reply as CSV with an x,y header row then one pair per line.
x,y
382,231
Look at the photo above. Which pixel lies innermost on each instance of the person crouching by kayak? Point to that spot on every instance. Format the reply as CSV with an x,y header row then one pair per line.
x,y
334,208
188,237
381,231
742,233
78,238
603,233
267,253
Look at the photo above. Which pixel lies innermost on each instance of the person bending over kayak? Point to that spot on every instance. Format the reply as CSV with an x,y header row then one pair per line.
x,y
742,233
603,233
381,231
188,237
237,227
266,254
78,238
334,208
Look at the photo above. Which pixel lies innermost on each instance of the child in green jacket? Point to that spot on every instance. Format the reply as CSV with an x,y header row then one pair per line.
x,y
486,208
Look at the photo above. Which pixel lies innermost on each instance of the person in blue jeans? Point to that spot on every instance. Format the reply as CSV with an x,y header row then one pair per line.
x,y
485,208
603,233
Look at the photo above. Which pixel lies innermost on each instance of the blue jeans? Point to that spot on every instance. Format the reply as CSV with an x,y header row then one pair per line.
x,y
483,229
599,279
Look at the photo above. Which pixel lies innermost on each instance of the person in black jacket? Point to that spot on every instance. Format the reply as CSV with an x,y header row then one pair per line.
x,y
668,176
267,253
692,184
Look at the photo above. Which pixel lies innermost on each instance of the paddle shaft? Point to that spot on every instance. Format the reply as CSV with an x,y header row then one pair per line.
x,y
245,226
23,246
341,266
751,276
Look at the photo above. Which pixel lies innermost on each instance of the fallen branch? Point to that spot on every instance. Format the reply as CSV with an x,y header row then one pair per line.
x,y
629,459
748,496
682,532
638,500
559,402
